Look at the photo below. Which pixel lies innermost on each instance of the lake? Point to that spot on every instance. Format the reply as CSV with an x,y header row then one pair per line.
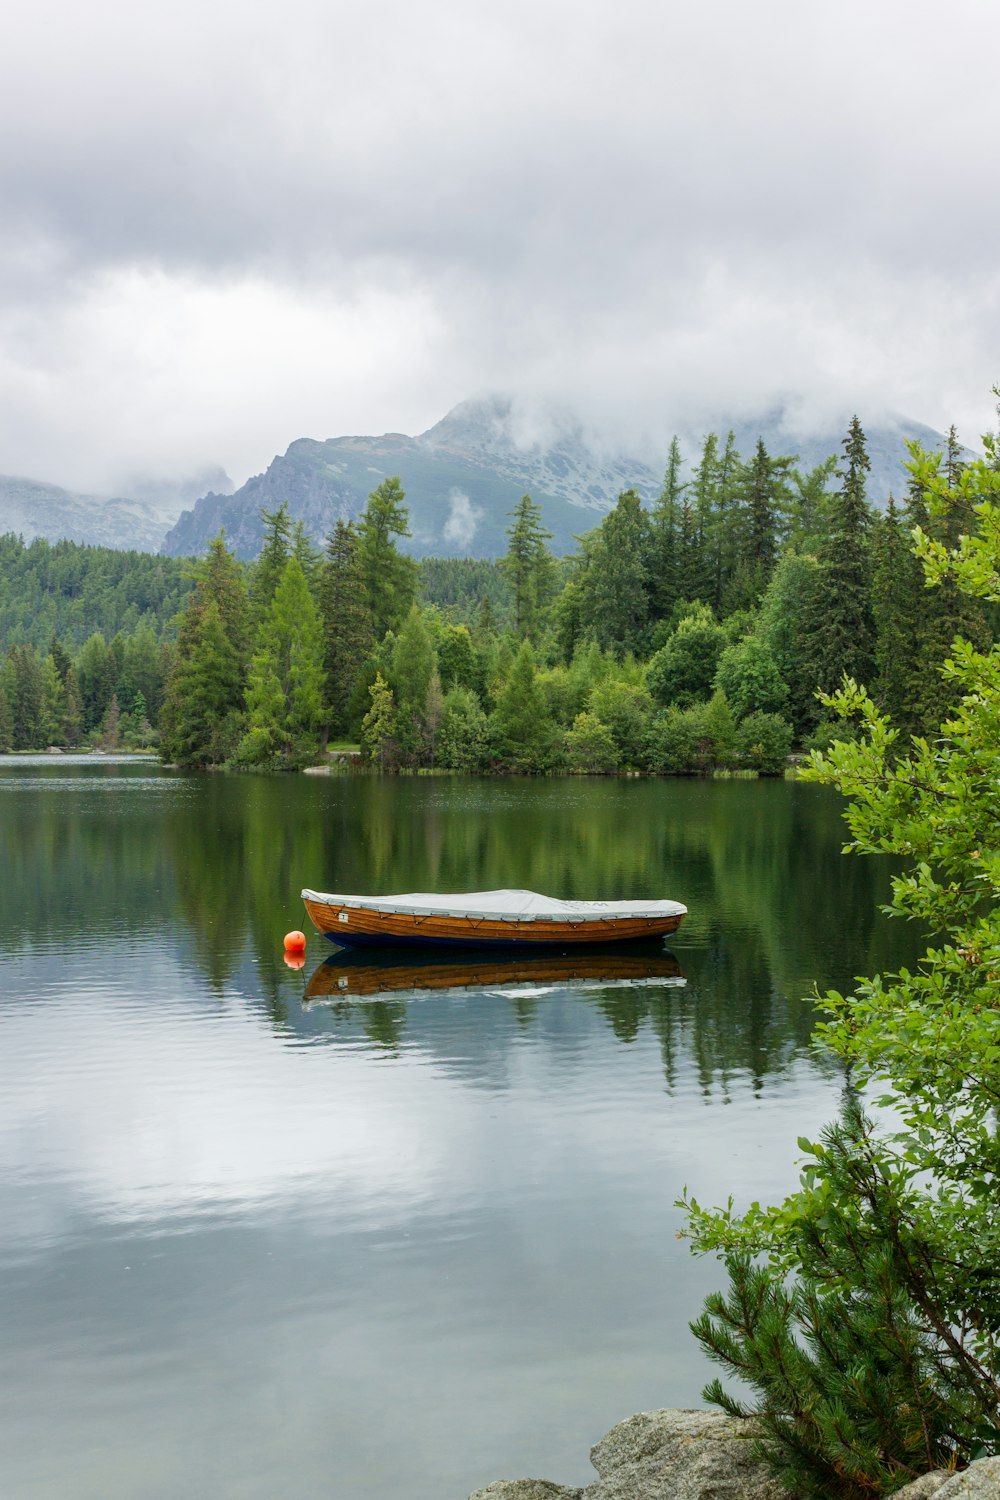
x,y
266,1232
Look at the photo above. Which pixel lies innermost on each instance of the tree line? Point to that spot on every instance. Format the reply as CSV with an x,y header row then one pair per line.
x,y
688,635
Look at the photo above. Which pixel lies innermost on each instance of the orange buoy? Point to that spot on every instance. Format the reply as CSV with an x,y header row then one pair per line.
x,y
295,942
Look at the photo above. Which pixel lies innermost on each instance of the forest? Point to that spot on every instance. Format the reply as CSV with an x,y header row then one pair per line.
x,y
690,636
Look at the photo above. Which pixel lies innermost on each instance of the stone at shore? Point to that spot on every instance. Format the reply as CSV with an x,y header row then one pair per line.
x,y
683,1455
705,1455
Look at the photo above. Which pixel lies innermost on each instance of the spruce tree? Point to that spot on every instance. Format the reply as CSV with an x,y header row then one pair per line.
x,y
664,573
390,577
615,583
271,560
348,636
202,715
529,565
841,630
894,583
525,732
285,684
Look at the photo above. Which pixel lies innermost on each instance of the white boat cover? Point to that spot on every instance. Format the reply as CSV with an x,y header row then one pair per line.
x,y
502,906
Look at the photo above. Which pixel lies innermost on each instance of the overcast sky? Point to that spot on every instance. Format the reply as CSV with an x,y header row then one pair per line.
x,y
225,224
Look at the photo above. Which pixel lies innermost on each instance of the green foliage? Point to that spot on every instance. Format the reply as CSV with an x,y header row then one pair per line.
x,y
748,675
614,583
68,591
463,585
682,671
348,636
881,1290
625,709
856,1393
763,741
590,745
529,567
379,724
691,741
526,739
464,737
285,684
390,577
202,716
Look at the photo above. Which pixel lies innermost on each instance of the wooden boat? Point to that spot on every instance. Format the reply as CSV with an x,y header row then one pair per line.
x,y
495,919
362,974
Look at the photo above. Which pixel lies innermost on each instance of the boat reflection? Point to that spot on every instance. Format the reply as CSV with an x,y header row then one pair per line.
x,y
352,974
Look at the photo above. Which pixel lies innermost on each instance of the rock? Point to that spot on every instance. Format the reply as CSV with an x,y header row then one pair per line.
x,y
663,1455
525,1489
980,1481
926,1485
683,1455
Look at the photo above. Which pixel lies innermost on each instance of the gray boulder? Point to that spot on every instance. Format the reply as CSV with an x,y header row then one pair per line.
x,y
525,1489
661,1455
980,1481
683,1455
705,1455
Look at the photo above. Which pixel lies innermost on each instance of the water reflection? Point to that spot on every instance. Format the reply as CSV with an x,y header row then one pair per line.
x,y
397,1235
349,974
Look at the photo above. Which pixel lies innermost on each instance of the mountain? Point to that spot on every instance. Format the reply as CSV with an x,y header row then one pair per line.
x,y
31,508
464,476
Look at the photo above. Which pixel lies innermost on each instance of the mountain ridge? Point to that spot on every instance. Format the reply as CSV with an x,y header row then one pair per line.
x,y
465,474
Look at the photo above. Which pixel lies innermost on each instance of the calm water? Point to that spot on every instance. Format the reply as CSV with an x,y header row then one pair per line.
x,y
262,1234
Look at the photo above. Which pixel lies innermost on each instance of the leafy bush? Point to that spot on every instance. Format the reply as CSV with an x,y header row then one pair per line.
x,y
871,1331
590,746
764,741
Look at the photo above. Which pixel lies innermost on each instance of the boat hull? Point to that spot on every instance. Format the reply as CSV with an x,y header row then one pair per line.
x,y
357,927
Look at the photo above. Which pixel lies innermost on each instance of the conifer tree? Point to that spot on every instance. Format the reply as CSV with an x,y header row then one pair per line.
x,y
763,499
201,718
348,636
53,704
841,629
525,732
664,571
285,685
379,723
529,565
6,722
390,577
615,583
703,580
893,588
270,564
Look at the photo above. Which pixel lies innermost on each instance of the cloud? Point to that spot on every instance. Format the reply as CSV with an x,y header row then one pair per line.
x,y
231,226
463,519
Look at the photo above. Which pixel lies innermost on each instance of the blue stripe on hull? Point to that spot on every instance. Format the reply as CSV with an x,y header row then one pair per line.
x,y
510,945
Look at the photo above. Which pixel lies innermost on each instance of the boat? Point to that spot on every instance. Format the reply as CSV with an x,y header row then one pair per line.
x,y
481,919
362,974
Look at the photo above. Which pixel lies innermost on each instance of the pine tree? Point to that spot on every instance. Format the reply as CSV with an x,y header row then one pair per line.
x,y
763,499
894,583
841,630
664,571
703,581
615,583
201,718
53,703
270,563
348,636
529,565
26,696
525,733
6,723
285,684
390,578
